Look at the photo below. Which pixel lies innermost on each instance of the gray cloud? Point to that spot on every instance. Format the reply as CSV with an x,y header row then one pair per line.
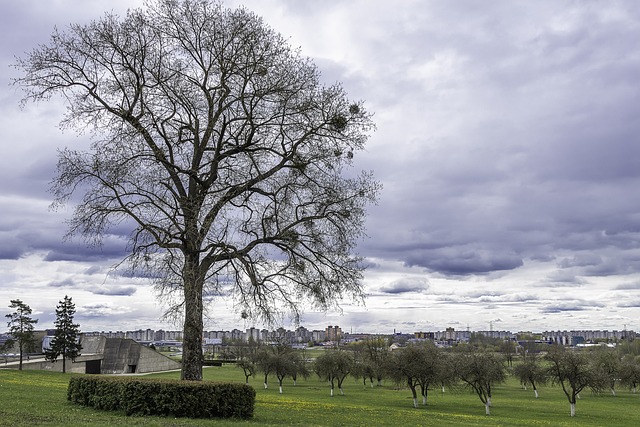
x,y
114,290
406,285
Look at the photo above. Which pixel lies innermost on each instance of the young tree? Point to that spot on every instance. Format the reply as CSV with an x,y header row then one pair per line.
x,y
630,371
480,371
220,147
265,362
573,371
65,342
416,365
334,365
530,371
362,366
508,350
607,365
284,363
21,327
376,354
403,366
248,368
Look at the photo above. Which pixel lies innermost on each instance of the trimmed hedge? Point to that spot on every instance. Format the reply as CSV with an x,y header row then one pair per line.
x,y
136,396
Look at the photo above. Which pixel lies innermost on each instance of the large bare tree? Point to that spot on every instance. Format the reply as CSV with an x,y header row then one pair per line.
x,y
222,149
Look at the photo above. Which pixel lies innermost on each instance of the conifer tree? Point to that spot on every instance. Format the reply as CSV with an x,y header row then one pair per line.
x,y
65,341
21,327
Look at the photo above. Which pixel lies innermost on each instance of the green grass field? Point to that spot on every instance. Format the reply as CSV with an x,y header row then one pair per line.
x,y
35,398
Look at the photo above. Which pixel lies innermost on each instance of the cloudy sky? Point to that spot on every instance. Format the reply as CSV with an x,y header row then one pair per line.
x,y
508,144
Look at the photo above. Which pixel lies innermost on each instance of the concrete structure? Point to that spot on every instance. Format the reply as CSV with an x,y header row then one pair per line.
x,y
102,355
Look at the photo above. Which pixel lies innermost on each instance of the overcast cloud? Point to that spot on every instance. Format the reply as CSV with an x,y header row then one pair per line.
x,y
507,142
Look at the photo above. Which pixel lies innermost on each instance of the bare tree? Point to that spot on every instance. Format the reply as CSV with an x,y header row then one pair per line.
x,y
220,148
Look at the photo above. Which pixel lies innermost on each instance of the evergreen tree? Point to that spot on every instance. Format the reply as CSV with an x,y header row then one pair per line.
x,y
65,341
21,327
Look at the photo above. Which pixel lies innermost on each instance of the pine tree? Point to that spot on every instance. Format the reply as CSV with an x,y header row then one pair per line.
x,y
21,327
65,341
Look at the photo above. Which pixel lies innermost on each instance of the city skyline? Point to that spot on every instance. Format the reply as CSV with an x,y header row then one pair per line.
x,y
506,143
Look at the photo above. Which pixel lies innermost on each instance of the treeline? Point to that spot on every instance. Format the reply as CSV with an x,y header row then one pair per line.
x,y
421,367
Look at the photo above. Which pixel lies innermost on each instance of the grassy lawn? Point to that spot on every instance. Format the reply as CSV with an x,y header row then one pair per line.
x,y
35,398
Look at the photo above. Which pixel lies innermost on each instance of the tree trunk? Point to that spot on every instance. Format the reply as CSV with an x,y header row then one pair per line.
x,y
536,392
192,356
20,364
414,393
613,391
487,409
573,409
64,365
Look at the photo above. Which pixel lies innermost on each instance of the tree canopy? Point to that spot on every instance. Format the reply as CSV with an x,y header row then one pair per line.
x,y
221,149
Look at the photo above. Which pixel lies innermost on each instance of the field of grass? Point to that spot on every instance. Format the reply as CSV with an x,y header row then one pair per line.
x,y
35,398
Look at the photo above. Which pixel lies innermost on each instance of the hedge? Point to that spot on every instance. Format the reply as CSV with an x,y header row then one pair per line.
x,y
136,396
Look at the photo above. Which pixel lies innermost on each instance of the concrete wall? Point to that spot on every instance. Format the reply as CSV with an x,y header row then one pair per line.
x,y
106,356
41,364
125,356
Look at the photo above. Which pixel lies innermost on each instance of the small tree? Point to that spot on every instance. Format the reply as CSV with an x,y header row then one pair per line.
x,y
65,342
248,368
416,365
530,371
300,367
265,362
480,371
363,368
403,366
573,371
21,327
377,352
334,365
508,350
284,364
607,364
630,371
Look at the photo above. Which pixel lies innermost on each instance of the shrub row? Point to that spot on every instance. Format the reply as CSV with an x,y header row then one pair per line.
x,y
136,396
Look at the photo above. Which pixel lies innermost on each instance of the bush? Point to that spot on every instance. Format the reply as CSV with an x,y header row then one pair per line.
x,y
135,396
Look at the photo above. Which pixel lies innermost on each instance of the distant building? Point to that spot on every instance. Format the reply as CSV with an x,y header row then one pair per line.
x,y
333,333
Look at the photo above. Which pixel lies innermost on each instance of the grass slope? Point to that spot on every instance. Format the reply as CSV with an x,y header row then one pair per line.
x,y
36,398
